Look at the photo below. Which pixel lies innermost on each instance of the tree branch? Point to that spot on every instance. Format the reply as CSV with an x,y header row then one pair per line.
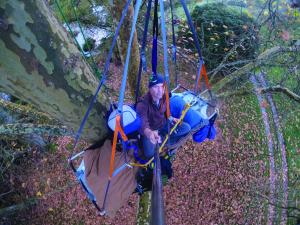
x,y
266,55
281,89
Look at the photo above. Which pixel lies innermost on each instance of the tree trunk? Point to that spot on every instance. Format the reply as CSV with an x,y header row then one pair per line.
x,y
40,64
123,39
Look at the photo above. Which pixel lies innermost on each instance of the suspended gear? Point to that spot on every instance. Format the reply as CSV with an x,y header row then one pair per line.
x,y
187,106
131,122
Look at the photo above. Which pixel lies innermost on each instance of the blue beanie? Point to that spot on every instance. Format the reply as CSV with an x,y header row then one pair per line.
x,y
155,79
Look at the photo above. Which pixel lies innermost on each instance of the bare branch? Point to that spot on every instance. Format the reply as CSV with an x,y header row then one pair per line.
x,y
265,56
281,89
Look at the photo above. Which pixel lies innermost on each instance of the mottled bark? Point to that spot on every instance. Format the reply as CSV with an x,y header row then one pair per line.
x,y
40,64
116,9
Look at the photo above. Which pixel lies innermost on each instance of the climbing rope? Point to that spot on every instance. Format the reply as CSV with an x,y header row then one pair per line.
x,y
94,65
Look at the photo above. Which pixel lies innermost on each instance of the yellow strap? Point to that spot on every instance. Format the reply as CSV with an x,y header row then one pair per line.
x,y
184,111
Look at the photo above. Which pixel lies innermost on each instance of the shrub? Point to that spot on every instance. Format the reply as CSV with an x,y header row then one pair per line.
x,y
89,44
219,29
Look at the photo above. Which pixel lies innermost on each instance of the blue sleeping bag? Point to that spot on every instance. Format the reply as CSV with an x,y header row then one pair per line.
x,y
194,119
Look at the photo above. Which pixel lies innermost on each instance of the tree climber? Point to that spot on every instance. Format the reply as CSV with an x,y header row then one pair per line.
x,y
152,110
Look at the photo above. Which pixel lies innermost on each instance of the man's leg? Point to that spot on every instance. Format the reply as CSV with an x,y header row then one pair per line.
x,y
180,132
148,147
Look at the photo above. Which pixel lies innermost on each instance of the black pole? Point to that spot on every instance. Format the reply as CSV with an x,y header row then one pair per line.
x,y
157,203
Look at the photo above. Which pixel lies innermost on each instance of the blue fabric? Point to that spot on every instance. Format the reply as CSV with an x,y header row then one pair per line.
x,y
154,55
154,41
193,119
166,167
177,105
180,131
134,126
148,147
207,131
81,177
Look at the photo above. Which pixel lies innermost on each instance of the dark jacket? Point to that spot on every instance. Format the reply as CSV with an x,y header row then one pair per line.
x,y
152,116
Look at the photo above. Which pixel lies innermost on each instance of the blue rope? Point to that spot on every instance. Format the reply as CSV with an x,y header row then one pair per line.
x,y
196,40
125,72
143,63
165,46
144,43
191,25
154,41
102,81
174,58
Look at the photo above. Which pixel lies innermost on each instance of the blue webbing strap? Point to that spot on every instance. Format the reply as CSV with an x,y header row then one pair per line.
x,y
124,78
125,72
106,68
144,43
154,41
174,43
191,25
196,40
165,47
143,63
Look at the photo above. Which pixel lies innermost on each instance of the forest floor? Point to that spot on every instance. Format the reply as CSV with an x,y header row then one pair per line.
x,y
224,181
212,184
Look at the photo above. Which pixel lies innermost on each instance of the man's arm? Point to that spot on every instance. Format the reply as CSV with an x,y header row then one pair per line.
x,y
142,111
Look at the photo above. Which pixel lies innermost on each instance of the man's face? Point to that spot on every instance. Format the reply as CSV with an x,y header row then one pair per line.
x,y
157,91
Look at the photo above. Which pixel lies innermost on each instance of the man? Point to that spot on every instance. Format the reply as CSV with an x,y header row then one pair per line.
x,y
152,108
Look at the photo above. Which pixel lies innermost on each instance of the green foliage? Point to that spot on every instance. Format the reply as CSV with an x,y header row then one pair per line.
x,y
52,147
289,114
6,159
83,11
220,29
89,44
69,146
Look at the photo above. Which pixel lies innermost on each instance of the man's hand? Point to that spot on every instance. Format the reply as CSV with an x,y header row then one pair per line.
x,y
153,136
175,120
